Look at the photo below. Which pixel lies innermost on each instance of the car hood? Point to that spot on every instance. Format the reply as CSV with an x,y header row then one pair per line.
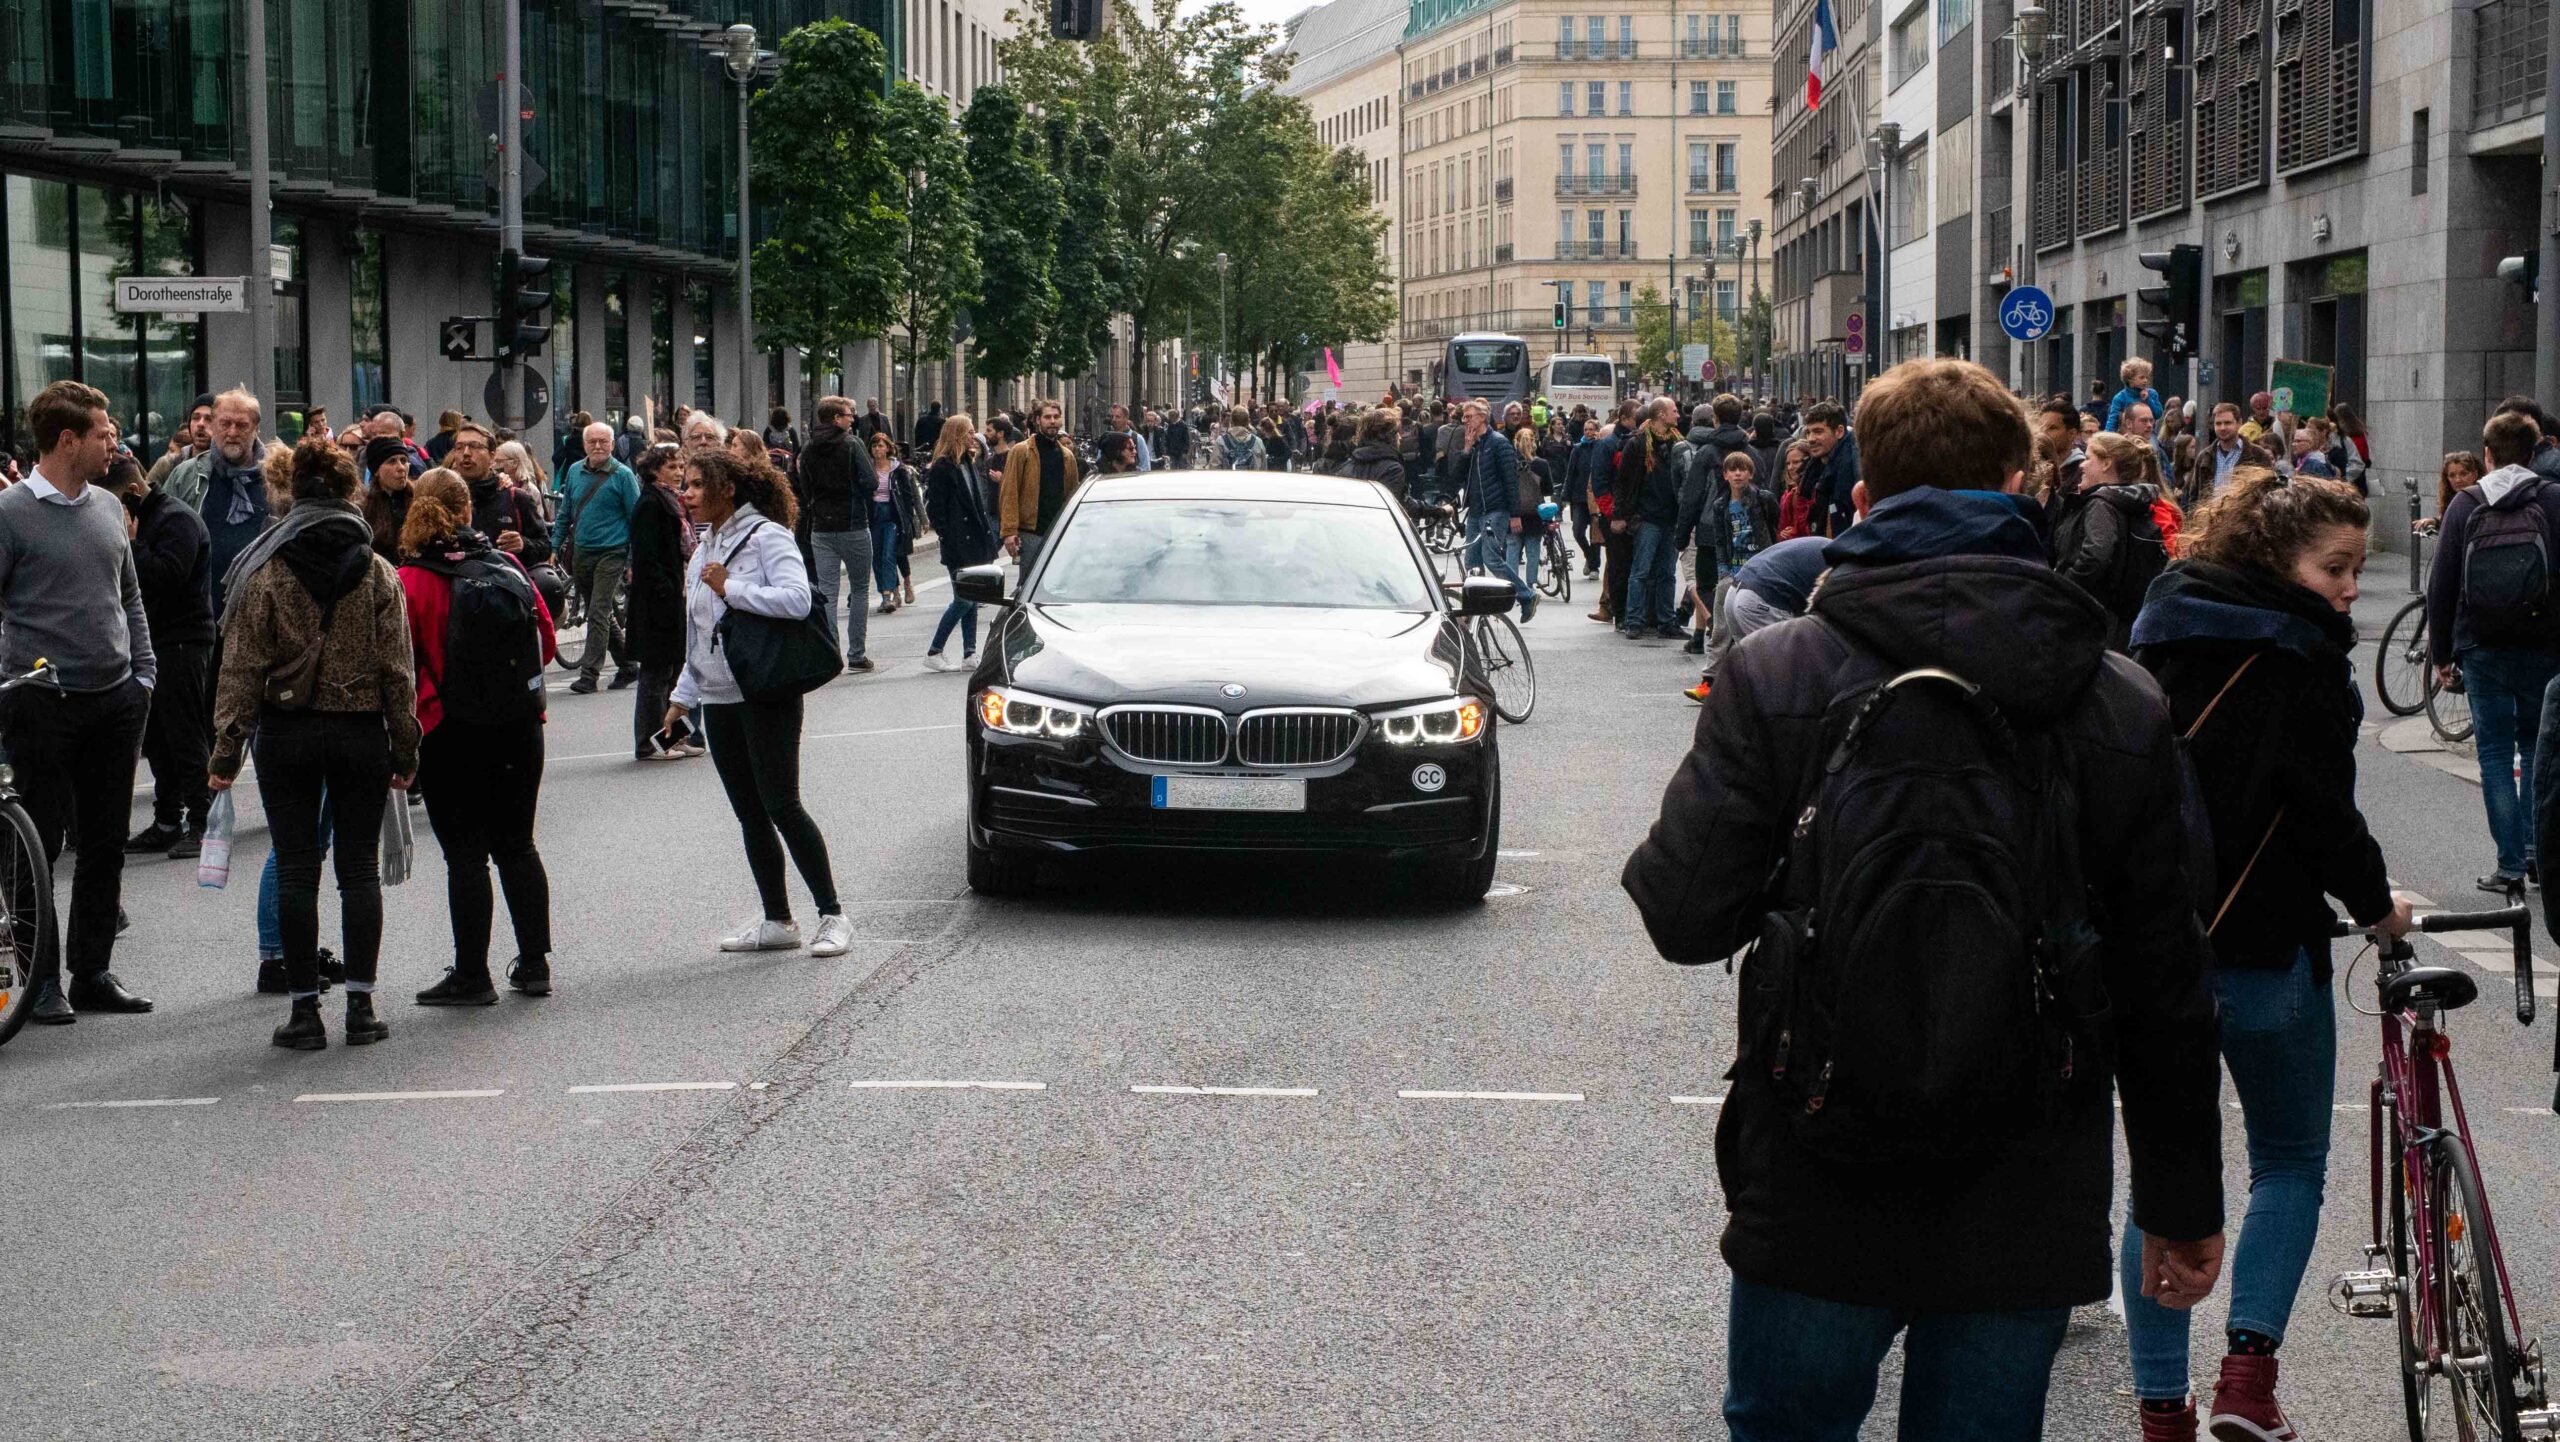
x,y
1280,655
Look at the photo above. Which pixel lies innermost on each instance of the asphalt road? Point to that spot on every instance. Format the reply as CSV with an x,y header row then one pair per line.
x,y
1077,1245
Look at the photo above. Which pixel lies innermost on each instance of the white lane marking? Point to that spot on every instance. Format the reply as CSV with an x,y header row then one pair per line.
x,y
1207,1091
654,1087
758,1086
140,1102
400,1096
1697,1101
2351,1106
1445,1096
1515,854
2528,1111
948,1086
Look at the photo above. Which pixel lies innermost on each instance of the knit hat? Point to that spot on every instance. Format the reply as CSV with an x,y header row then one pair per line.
x,y
381,449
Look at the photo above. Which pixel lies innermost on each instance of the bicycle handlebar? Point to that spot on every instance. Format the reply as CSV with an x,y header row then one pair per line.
x,y
2517,920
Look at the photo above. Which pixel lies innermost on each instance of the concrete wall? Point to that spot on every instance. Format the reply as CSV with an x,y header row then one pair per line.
x,y
328,303
426,278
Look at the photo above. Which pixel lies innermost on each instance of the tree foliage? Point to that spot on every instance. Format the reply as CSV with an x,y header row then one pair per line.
x,y
1015,204
939,270
1089,267
829,268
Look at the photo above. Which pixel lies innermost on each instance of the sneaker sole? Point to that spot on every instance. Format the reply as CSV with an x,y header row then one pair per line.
x,y
2230,1427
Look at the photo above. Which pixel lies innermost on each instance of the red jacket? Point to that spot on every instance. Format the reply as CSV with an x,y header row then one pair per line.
x,y
430,597
1796,514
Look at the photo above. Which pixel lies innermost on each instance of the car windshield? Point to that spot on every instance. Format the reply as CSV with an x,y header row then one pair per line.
x,y
1588,373
1233,553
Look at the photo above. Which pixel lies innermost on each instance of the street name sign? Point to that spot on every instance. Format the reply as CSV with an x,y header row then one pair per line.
x,y
182,294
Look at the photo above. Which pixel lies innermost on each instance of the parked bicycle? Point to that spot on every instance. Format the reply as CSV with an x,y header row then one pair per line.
x,y
2405,681
2433,1263
27,934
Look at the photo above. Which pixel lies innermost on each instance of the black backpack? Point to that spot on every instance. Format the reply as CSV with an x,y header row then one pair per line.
x,y
492,640
2506,569
1926,987
2141,555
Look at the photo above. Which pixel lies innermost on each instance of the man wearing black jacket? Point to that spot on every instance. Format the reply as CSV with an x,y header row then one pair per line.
x,y
169,549
1976,1264
839,528
1701,488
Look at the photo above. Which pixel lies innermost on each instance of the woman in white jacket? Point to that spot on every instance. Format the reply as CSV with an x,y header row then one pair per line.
x,y
749,562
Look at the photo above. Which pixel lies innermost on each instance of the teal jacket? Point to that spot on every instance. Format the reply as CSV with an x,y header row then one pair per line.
x,y
604,522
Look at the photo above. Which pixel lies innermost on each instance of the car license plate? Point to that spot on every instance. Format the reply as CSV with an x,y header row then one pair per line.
x,y
1230,793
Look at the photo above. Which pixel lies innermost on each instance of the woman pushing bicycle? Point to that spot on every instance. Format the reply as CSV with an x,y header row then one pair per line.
x,y
2248,634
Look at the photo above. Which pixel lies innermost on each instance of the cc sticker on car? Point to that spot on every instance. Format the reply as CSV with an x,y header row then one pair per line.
x,y
1427,777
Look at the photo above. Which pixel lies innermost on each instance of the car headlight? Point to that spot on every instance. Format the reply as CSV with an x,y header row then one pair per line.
x,y
1436,723
1019,713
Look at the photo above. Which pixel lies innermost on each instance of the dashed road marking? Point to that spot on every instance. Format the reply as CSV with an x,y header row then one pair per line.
x,y
922,1085
1697,1101
137,1102
702,1086
440,1096
1458,1096
1209,1091
2529,1111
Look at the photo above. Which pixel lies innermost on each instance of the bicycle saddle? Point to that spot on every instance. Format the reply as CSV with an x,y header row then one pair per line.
x,y
2440,986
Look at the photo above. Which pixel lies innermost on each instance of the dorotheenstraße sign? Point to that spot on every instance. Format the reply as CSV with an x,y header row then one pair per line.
x,y
182,294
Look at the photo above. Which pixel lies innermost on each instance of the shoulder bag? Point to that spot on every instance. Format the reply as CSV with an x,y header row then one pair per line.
x,y
2273,822
291,685
772,658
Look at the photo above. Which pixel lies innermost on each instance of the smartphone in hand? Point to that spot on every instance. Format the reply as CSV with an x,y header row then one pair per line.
x,y
672,736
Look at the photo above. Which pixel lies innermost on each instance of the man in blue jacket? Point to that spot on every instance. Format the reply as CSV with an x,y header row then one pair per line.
x,y
596,497
1493,490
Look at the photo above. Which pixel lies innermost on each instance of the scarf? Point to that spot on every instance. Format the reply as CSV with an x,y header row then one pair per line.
x,y
242,489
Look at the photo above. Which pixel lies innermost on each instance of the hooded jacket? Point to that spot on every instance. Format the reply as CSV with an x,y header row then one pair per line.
x,y
498,507
1377,461
324,563
2448,620
2275,762
2090,531
1703,484
169,562
1957,580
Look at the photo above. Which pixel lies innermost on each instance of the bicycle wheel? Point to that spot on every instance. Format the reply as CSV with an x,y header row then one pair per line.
x,y
2407,1316
569,630
2449,712
1562,566
1508,670
2473,1352
2400,662
26,902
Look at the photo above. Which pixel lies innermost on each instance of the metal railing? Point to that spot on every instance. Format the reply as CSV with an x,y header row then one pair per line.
x,y
1725,183
1595,185
1604,50
1702,48
1595,250
2512,43
1502,190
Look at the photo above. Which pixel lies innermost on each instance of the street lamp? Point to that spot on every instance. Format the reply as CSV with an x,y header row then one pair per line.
x,y
739,47
1757,380
1884,147
2033,27
1222,319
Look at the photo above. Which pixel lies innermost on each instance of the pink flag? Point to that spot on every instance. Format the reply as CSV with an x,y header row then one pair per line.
x,y
1332,368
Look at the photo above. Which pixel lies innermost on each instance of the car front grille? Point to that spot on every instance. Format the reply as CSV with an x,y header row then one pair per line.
x,y
1438,823
1167,737
1296,738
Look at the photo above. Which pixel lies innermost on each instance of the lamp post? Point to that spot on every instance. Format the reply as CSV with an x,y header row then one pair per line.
x,y
740,57
1222,321
262,290
1759,381
1811,190
2033,25
1885,147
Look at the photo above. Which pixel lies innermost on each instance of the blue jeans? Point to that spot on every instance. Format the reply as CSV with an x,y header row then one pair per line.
x,y
1800,1369
1489,542
963,614
884,546
271,901
2506,685
1651,579
2280,1041
1522,552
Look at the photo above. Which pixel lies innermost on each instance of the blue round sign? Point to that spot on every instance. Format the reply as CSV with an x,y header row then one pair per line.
x,y
2026,313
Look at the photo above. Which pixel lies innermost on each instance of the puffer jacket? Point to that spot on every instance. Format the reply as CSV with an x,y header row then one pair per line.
x,y
1955,580
1377,461
365,662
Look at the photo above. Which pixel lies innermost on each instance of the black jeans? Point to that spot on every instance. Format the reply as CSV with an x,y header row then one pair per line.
x,y
755,746
176,742
347,754
649,703
74,756
481,783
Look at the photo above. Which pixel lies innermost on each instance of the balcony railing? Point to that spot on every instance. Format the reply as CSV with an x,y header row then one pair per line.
x,y
1502,190
1595,185
1701,48
1502,253
1723,183
2513,38
1588,50
1595,250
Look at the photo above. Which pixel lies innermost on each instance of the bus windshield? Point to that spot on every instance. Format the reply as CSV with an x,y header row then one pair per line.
x,y
1592,374
1488,357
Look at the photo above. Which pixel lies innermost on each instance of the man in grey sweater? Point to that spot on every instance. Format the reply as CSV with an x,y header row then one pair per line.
x,y
73,599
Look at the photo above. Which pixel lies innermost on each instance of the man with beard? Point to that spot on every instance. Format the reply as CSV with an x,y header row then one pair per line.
x,y
510,518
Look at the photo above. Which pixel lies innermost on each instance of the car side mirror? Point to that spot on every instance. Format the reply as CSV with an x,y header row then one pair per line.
x,y
982,584
1486,596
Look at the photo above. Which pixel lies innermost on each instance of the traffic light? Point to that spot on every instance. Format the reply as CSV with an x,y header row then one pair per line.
x,y
524,305
2524,270
1564,315
456,339
2180,302
1075,19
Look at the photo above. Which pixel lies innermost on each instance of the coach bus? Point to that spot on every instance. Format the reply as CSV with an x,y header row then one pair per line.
x,y
1482,366
1580,380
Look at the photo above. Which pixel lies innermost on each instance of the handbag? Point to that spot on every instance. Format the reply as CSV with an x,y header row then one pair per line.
x,y
773,658
290,686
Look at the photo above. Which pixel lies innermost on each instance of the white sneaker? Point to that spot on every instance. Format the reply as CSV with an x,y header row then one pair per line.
x,y
835,936
765,936
933,661
691,748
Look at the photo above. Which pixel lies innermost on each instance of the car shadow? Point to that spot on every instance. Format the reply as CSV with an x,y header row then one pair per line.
x,y
1209,884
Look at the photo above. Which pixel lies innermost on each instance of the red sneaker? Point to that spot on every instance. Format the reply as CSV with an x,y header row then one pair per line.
x,y
2179,1426
2244,1403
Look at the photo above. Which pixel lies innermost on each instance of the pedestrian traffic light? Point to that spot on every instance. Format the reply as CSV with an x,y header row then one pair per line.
x,y
524,305
1075,19
456,339
2180,302
2524,270
1564,315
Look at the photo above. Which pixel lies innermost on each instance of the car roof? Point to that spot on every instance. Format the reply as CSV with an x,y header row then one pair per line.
x,y
1235,486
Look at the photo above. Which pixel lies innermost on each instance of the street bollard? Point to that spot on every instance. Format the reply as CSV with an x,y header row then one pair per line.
x,y
2417,543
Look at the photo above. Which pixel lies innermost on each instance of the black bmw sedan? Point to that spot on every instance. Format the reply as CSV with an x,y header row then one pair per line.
x,y
1238,662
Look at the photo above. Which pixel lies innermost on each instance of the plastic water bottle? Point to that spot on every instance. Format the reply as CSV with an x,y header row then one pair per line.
x,y
213,866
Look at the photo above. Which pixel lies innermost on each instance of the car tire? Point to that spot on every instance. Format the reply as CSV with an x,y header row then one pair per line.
x,y
1458,885
995,873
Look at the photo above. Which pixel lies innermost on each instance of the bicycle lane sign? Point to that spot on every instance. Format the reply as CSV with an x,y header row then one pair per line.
x,y
2027,313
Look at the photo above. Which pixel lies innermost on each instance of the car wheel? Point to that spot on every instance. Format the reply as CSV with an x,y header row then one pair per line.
x,y
995,873
1458,885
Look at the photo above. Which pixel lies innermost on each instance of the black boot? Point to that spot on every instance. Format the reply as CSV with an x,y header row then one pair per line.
x,y
333,972
531,975
158,836
363,1027
272,980
302,1030
460,988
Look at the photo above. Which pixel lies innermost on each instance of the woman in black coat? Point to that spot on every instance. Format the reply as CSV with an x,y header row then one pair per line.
x,y
653,605
2249,638
957,507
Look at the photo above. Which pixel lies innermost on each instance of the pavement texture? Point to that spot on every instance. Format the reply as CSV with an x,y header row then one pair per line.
x,y
1220,1168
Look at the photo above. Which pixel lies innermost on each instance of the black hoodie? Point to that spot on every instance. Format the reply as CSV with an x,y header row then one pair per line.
x,y
1707,450
1954,579
498,507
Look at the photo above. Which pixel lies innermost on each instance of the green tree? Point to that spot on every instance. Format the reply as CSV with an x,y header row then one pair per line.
x,y
1015,203
1089,266
829,266
940,267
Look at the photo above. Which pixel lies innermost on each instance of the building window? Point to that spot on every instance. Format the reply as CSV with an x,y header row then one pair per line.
x,y
1598,155
1564,97
1595,226
1700,236
1724,227
1598,92
1727,298
1626,97
2418,128
1626,232
1627,162
1595,36
1697,94
1907,216
1909,52
1564,37
367,334
1564,160
1592,290
1728,176
1626,36
1699,169
1953,16
1626,302
1728,96
1564,231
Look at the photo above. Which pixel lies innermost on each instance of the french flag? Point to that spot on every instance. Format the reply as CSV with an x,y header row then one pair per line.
x,y
1826,43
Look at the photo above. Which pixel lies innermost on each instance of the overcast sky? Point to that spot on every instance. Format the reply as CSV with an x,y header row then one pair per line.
x,y
1272,12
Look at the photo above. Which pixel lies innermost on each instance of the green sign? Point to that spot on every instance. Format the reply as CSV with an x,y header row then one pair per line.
x,y
2300,387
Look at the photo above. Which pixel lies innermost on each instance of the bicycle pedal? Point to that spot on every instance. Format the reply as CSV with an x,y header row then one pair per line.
x,y
2541,1423
2365,1294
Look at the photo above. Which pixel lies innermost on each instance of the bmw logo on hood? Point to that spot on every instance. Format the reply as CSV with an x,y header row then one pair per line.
x,y
1231,689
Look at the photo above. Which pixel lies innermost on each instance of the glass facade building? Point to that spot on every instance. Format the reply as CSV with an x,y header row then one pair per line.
x,y
124,150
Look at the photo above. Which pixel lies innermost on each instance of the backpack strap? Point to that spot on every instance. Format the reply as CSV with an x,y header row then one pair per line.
x,y
2207,713
2273,822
